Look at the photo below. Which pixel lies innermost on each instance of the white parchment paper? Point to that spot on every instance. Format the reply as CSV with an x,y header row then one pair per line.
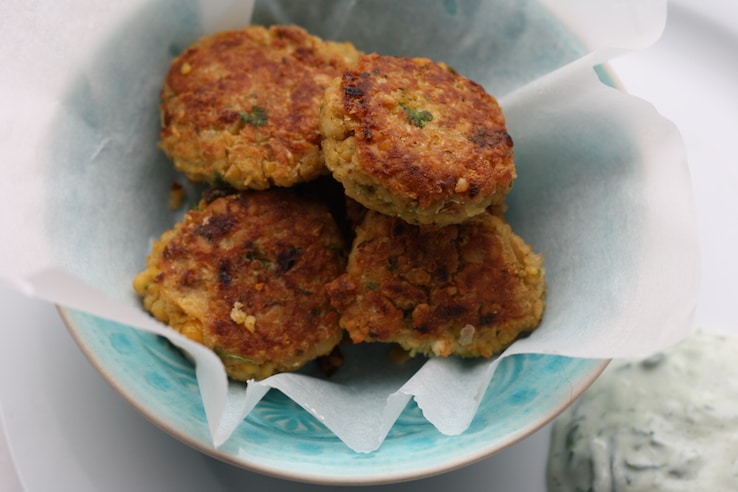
x,y
603,189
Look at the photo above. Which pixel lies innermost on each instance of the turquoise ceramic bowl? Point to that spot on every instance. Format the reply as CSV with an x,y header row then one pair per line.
x,y
107,181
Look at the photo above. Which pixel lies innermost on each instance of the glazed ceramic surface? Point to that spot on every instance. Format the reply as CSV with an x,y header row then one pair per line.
x,y
282,439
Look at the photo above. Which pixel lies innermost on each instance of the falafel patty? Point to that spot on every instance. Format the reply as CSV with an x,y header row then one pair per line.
x,y
242,107
469,290
244,274
411,138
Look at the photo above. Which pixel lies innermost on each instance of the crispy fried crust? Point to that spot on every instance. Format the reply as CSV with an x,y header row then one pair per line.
x,y
245,275
242,106
411,138
468,289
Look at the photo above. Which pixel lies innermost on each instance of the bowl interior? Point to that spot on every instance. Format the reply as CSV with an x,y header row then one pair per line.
x,y
107,192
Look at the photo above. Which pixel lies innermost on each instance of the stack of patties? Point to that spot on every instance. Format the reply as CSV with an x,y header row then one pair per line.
x,y
258,271
434,266
245,272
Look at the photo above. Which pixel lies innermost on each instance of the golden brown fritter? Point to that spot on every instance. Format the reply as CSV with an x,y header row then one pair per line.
x,y
468,289
244,274
243,106
411,138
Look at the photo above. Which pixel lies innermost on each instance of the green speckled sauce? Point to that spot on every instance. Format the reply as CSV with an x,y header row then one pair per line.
x,y
665,423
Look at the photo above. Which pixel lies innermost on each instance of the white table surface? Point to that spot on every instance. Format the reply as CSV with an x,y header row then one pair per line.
x,y
48,441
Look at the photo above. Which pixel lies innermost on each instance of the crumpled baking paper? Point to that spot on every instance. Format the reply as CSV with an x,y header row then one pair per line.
x,y
603,188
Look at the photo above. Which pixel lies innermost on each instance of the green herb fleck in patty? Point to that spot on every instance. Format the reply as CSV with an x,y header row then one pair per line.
x,y
416,117
257,116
